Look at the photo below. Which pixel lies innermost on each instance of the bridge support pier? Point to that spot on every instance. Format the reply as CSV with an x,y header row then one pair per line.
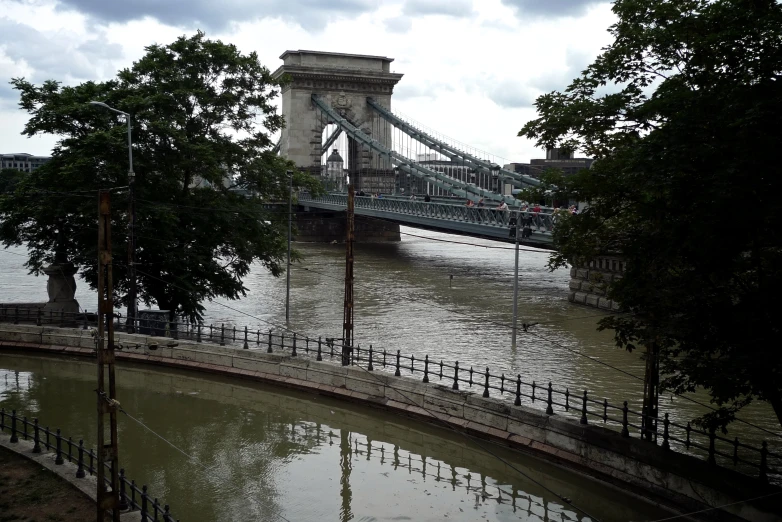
x,y
587,282
330,227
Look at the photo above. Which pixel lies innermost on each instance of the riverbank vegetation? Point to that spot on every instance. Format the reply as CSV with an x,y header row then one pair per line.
x,y
681,113
202,118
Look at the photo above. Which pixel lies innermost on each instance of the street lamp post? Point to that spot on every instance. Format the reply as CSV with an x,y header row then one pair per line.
x,y
131,222
516,282
288,277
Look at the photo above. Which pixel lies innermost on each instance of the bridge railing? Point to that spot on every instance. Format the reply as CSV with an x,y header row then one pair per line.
x,y
539,222
716,449
131,496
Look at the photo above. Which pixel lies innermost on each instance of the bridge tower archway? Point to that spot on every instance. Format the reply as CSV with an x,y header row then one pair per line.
x,y
345,81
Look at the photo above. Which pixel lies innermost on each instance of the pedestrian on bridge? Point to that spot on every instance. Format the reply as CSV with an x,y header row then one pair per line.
x,y
503,206
427,199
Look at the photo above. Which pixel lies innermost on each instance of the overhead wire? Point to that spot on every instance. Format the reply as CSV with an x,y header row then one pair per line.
x,y
504,461
505,325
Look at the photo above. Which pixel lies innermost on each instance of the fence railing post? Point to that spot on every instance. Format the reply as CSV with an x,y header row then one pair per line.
x,y
269,349
456,376
80,472
14,437
222,334
144,507
486,384
666,444
123,496
625,428
712,460
370,367
320,346
293,348
550,405
198,333
36,437
763,462
58,459
397,372
517,402
246,346
426,368
233,339
584,410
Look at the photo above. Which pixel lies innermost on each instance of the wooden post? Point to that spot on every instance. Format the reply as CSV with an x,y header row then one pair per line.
x,y
347,322
107,453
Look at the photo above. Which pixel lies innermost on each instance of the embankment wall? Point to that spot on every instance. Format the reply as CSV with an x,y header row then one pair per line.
x,y
681,482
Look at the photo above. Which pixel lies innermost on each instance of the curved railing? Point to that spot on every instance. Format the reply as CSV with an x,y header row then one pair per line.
x,y
707,444
131,496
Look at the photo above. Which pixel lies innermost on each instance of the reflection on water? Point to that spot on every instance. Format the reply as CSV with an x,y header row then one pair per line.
x,y
405,300
261,454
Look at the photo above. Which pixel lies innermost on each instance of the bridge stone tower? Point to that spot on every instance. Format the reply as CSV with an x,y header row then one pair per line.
x,y
345,81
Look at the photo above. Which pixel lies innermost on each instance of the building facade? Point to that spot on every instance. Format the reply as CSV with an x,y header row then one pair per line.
x,y
555,159
22,161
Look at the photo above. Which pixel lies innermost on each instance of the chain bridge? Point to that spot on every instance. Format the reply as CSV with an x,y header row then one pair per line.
x,y
340,128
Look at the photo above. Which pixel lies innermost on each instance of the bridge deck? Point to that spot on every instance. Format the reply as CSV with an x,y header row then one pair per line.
x,y
445,217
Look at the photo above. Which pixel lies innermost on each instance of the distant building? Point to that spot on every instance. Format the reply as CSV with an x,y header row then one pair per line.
x,y
334,172
555,158
22,161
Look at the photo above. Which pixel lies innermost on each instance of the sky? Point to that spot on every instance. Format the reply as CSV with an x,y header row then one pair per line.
x,y
472,68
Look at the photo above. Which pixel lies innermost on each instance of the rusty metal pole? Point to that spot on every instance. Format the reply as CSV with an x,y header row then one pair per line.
x,y
107,453
347,322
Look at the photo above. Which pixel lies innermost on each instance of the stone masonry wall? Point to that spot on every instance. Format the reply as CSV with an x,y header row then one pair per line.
x,y
588,282
679,481
328,229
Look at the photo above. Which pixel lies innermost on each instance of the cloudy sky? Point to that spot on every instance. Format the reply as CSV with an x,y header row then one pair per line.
x,y
472,67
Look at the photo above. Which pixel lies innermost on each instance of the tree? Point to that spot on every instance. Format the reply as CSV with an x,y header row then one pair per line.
x,y
9,178
202,114
681,112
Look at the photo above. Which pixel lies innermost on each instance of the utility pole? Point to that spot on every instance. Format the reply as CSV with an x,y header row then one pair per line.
x,y
107,403
516,282
130,324
132,307
288,277
347,322
651,393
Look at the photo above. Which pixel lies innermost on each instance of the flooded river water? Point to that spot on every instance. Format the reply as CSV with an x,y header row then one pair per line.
x,y
261,454
405,299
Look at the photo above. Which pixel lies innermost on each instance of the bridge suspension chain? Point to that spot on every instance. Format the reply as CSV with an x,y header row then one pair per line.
x,y
451,185
454,154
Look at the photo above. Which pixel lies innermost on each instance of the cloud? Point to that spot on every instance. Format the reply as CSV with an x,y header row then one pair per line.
x,y
399,24
431,90
551,8
455,8
510,94
55,55
218,15
575,62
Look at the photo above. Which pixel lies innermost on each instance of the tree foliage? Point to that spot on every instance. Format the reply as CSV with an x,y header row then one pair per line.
x,y
682,113
202,115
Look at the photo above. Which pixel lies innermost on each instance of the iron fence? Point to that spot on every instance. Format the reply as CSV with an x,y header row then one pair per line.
x,y
705,443
131,496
